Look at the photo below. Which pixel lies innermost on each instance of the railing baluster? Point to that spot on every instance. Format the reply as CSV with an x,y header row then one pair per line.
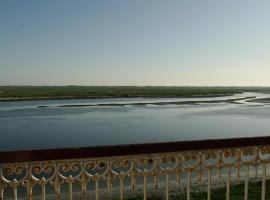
x,y
15,193
178,179
238,165
42,183
156,181
263,181
200,169
219,165
145,185
228,183
43,193
109,182
70,181
179,171
133,183
96,179
29,192
57,188
167,186
256,169
122,185
209,185
133,175
219,173
2,191
246,183
14,185
83,188
188,185
58,192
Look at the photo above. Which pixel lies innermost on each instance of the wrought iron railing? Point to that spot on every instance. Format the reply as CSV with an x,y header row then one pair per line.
x,y
121,171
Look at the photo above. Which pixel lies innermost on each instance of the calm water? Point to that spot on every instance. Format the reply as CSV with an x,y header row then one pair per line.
x,y
24,125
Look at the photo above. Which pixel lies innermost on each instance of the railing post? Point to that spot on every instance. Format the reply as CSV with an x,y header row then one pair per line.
x,y
70,181
96,180
83,182
14,185
167,186
145,184
2,191
209,185
29,192
188,184
228,183
263,181
121,185
246,183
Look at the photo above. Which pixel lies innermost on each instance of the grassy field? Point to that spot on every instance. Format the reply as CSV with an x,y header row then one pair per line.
x,y
237,193
65,92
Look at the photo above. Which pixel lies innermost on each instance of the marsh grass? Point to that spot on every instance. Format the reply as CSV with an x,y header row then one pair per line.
x,y
110,91
66,92
237,193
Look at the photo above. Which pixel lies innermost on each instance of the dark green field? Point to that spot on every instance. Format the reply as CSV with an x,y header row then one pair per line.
x,y
69,92
237,193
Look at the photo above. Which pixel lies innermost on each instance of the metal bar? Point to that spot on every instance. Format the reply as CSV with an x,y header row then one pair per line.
x,y
209,185
70,191
1,192
14,185
121,188
43,192
228,182
167,186
178,179
29,192
263,181
15,195
58,192
145,187
133,184
156,182
97,189
188,185
246,183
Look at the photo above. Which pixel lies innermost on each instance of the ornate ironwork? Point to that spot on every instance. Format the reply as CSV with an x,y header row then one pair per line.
x,y
188,167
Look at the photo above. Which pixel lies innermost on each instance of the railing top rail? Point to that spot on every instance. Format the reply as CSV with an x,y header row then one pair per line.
x,y
130,149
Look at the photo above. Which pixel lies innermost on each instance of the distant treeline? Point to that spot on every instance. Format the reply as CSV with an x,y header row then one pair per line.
x,y
36,92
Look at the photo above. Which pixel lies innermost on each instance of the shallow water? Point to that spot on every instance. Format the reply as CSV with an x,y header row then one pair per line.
x,y
24,125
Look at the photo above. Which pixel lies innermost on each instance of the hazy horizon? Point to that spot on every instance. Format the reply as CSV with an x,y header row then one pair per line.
x,y
245,86
135,43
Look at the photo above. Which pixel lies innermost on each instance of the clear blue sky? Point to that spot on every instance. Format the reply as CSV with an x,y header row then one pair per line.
x,y
135,42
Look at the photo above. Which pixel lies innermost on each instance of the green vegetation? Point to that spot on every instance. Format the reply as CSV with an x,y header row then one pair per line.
x,y
65,92
237,193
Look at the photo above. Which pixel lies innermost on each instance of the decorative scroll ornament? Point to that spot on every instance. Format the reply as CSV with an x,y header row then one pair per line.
x,y
186,167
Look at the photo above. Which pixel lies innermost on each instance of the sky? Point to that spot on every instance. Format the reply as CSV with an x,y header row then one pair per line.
x,y
135,42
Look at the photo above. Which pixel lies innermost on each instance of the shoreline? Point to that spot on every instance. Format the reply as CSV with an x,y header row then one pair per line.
x,y
260,100
149,103
12,99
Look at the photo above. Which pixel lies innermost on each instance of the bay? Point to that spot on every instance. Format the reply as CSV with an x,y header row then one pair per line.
x,y
49,124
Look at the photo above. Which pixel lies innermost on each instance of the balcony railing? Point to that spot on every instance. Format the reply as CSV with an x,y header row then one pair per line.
x,y
123,171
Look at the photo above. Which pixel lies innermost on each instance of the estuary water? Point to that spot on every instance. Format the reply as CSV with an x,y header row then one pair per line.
x,y
94,122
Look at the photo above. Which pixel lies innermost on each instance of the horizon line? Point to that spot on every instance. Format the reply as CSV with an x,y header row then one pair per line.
x,y
71,85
